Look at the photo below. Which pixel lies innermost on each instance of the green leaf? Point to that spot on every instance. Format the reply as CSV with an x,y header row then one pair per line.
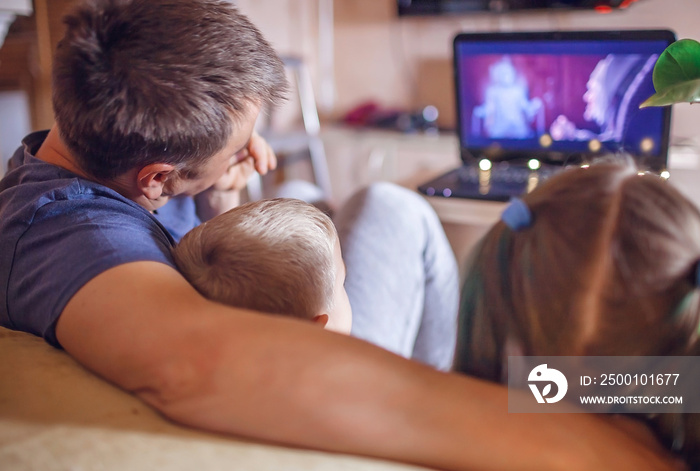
x,y
680,62
684,92
676,75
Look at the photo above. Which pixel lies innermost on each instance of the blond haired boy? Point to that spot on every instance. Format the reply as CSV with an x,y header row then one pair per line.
x,y
280,256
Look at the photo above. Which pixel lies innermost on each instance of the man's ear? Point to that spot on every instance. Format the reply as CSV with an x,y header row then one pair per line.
x,y
151,179
321,319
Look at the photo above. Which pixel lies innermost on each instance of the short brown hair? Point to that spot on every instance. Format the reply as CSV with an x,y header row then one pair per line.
x,y
606,268
274,256
143,81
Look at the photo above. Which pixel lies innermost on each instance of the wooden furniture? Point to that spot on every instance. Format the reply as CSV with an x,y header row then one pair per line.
x,y
25,57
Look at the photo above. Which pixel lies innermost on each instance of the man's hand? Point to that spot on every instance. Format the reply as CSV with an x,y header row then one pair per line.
x,y
225,193
257,155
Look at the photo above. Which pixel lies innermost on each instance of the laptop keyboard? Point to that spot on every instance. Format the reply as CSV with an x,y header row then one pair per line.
x,y
504,172
500,183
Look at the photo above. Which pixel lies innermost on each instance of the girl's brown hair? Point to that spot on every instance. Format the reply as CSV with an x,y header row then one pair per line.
x,y
607,267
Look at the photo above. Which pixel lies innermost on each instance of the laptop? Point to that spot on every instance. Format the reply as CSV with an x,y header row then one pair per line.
x,y
530,103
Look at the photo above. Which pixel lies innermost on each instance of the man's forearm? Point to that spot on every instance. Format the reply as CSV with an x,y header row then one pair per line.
x,y
210,203
287,381
341,395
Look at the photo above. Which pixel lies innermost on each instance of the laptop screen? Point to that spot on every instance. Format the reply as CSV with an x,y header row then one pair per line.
x,y
560,96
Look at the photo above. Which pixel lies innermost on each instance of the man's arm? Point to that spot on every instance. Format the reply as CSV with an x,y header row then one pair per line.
x,y
143,327
225,194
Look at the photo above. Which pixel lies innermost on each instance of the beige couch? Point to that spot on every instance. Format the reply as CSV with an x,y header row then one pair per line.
x,y
55,415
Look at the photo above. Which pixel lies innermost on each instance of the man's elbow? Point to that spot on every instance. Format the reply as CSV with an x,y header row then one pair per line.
x,y
173,383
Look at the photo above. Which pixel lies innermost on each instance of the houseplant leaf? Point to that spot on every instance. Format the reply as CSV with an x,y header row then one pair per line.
x,y
677,75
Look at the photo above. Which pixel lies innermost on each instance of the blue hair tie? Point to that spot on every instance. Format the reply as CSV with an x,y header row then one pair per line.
x,y
697,275
517,215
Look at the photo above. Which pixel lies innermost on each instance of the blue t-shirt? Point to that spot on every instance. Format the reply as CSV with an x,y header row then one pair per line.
x,y
58,231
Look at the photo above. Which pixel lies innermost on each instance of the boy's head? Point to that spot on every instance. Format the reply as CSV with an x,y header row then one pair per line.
x,y
280,256
137,82
606,266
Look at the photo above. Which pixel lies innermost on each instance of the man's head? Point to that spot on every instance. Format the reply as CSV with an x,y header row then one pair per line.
x,y
138,82
280,256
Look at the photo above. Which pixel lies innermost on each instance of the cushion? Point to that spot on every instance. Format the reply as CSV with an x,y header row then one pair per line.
x,y
56,415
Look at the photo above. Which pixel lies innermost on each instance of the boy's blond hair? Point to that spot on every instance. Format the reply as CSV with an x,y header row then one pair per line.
x,y
274,256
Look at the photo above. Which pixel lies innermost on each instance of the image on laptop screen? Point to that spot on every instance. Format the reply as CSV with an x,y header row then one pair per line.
x,y
560,96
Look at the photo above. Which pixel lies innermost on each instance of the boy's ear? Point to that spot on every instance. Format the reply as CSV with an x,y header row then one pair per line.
x,y
152,178
321,319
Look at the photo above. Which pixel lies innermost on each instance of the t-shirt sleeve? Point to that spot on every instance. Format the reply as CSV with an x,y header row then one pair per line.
x,y
67,244
178,216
